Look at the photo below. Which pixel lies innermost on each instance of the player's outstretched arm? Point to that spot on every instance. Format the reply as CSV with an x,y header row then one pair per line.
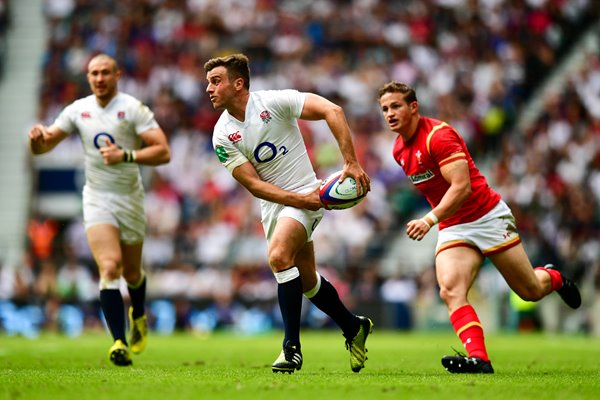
x,y
43,139
319,108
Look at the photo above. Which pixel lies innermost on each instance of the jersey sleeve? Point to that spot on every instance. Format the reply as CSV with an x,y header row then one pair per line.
x,y
229,156
66,119
446,146
143,118
288,103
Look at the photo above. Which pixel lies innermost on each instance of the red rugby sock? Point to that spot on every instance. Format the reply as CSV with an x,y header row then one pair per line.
x,y
556,280
469,330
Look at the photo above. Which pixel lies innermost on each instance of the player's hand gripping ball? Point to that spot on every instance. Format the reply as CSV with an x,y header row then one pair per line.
x,y
337,195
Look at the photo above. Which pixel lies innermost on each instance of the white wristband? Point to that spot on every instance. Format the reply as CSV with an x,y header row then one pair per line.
x,y
432,217
425,222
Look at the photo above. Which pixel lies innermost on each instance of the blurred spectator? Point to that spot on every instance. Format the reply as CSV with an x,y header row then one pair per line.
x,y
17,281
75,283
76,287
398,294
46,290
42,232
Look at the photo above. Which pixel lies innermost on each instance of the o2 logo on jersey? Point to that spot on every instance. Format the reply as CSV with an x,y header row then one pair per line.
x,y
266,151
100,139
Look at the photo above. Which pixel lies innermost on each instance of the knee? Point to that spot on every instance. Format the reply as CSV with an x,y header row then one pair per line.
x,y
132,275
445,294
452,297
110,269
279,261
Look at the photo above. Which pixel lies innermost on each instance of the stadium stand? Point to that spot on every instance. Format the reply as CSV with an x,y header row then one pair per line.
x,y
18,102
475,64
4,26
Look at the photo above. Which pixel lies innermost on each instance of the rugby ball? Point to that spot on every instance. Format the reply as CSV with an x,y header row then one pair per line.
x,y
337,195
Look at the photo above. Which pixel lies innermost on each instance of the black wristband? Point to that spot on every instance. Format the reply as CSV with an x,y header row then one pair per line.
x,y
127,156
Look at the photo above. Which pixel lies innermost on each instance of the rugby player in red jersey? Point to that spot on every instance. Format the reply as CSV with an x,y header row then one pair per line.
x,y
474,223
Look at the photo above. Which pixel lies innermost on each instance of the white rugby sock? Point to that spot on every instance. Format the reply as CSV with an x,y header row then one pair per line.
x,y
312,292
287,275
110,284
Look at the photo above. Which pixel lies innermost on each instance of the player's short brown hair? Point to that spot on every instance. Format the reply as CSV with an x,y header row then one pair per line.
x,y
396,87
237,66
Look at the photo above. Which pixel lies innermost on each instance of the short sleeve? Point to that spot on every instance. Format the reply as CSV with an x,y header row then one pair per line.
x,y
447,146
288,103
229,156
66,119
143,118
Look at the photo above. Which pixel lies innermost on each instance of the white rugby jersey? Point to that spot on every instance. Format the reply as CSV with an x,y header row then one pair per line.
x,y
269,138
121,122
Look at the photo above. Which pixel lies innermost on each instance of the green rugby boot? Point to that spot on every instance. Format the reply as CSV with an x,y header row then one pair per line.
x,y
357,346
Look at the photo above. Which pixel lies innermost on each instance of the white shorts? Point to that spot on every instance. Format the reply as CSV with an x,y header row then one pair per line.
x,y
124,211
271,212
493,233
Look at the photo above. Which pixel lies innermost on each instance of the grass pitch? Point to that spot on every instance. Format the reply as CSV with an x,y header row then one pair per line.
x,y
226,366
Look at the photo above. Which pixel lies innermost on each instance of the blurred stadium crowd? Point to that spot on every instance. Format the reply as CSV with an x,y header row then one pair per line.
x,y
474,64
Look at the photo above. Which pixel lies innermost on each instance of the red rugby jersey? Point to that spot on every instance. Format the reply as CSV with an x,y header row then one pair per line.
x,y
435,144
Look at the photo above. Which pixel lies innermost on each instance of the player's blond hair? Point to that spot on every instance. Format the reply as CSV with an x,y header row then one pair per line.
x,y
105,57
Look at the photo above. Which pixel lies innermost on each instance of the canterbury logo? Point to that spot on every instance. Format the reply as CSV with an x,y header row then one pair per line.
x,y
234,137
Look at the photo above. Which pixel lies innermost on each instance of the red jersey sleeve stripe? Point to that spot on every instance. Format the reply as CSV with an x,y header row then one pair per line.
x,y
434,130
453,157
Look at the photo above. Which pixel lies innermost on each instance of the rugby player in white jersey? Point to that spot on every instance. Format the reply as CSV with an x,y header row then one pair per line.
x,y
258,140
112,126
